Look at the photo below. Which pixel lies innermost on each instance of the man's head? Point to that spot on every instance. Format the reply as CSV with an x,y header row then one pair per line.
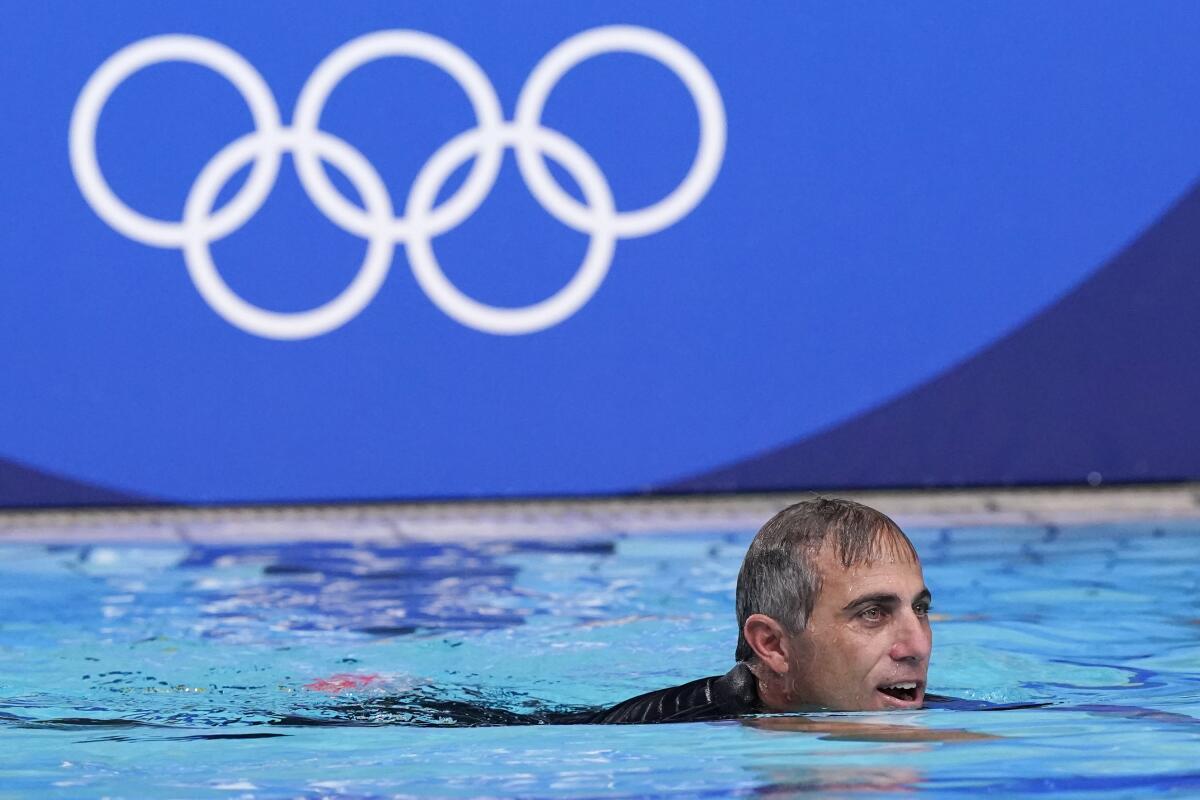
x,y
833,611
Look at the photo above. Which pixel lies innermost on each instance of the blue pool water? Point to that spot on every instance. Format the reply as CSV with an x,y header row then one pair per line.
x,y
165,670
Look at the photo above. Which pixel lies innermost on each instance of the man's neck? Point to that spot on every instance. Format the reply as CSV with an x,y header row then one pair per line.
x,y
773,694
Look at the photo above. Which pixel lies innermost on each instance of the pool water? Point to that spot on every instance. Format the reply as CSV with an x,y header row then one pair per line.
x,y
287,670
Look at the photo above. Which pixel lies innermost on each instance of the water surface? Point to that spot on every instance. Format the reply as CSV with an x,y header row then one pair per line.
x,y
182,670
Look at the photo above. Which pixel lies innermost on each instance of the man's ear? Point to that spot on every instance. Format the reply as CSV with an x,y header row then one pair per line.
x,y
769,641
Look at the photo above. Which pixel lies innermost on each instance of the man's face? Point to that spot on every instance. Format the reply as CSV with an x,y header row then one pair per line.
x,y
866,645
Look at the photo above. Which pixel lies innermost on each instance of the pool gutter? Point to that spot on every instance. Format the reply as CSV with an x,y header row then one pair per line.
x,y
567,519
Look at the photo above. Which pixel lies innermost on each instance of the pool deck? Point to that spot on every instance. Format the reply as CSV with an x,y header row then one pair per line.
x,y
573,519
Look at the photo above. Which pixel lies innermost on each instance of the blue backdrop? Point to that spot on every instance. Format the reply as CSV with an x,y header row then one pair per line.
x,y
943,244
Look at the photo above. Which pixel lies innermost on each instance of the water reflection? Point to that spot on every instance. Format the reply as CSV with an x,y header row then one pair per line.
x,y
377,590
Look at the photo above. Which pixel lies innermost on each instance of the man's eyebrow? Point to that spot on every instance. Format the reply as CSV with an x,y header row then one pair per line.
x,y
881,599
886,599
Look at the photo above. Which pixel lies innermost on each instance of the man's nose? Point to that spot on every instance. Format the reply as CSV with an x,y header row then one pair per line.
x,y
913,639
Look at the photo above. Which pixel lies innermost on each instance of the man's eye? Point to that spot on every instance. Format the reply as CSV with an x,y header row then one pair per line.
x,y
872,614
922,609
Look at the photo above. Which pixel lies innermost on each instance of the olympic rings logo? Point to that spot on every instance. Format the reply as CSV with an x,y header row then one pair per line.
x,y
422,219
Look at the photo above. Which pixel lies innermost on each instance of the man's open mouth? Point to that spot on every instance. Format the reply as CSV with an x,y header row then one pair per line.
x,y
904,691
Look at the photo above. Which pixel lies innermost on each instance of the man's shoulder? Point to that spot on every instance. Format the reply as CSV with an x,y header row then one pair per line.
x,y
717,697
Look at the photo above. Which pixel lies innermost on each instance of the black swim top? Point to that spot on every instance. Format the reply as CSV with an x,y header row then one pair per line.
x,y
733,694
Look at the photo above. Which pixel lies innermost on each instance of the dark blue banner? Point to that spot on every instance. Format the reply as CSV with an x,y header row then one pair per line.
x,y
316,252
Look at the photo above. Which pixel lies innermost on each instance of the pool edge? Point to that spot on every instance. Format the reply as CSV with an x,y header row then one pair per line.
x,y
565,519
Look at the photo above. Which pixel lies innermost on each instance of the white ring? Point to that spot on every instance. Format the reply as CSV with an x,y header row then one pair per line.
x,y
383,44
288,325
118,67
543,314
422,220
662,48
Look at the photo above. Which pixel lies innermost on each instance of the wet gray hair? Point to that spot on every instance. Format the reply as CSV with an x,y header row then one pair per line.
x,y
779,576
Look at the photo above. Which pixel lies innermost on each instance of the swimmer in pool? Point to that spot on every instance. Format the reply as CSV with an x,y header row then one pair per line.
x,y
833,614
